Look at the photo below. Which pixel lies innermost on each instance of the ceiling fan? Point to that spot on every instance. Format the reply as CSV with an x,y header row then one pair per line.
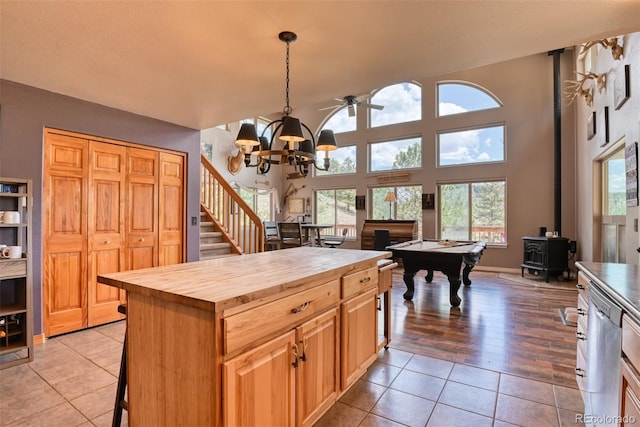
x,y
350,101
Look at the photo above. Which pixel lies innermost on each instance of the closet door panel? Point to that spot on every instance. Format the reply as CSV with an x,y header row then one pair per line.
x,y
171,209
106,229
142,209
64,234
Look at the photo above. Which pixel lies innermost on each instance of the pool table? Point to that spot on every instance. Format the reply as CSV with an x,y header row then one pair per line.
x,y
442,255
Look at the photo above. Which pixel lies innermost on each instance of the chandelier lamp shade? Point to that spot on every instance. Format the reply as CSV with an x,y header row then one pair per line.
x,y
299,145
390,197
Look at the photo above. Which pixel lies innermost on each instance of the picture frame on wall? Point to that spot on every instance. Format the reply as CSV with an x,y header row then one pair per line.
x,y
591,126
296,205
621,87
604,123
631,171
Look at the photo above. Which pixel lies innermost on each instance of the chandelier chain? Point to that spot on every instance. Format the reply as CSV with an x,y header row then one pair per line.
x,y
287,109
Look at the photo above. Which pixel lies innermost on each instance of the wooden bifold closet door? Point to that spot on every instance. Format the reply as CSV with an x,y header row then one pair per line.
x,y
107,207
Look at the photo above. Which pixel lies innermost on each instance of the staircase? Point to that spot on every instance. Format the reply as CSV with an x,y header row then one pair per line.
x,y
211,244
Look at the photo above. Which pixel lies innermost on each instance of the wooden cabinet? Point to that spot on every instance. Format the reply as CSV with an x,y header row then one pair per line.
x,y
359,342
108,206
16,306
630,368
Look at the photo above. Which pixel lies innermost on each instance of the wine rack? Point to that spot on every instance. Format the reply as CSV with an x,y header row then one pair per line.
x,y
16,307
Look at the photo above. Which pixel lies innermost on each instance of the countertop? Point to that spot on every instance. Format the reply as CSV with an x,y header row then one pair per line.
x,y
222,283
620,281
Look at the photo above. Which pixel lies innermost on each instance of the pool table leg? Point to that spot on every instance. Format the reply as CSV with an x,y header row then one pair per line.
x,y
408,280
454,286
429,276
465,274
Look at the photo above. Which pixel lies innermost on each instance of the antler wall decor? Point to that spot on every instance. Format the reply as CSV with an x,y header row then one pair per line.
x,y
612,43
576,88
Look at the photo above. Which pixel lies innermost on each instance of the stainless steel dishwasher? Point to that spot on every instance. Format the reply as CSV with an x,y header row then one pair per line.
x,y
604,343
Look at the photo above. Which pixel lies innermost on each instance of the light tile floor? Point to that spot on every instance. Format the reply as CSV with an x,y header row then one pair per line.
x,y
72,382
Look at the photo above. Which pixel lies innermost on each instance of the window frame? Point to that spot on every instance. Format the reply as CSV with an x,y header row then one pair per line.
x,y
337,228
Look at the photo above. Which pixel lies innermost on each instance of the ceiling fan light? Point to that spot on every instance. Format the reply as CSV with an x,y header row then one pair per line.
x,y
248,136
291,130
327,141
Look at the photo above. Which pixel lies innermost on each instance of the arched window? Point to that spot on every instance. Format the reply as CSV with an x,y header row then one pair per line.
x,y
402,103
340,121
458,97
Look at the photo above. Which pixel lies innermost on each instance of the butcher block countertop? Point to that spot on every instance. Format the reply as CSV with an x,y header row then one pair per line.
x,y
620,281
222,283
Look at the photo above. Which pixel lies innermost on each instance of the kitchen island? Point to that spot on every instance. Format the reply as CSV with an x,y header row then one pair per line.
x,y
273,338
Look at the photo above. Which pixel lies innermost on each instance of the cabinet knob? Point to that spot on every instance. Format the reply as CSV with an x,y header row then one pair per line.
x,y
141,239
106,242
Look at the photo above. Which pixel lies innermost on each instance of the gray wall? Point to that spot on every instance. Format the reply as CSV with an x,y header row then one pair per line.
x,y
24,113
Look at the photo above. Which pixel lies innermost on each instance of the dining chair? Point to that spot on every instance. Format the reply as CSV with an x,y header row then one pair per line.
x,y
382,239
336,242
272,238
291,235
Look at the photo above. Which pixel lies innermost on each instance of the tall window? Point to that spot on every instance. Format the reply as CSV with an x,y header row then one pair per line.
x,y
408,204
336,207
473,211
458,97
399,154
402,103
341,122
259,202
614,207
343,161
480,145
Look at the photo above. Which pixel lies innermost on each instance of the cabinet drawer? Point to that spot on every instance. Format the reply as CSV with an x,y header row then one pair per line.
x,y
583,310
581,335
583,285
385,277
249,326
631,340
581,368
356,283
13,267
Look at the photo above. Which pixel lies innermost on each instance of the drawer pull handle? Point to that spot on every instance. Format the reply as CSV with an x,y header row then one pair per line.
x,y
580,286
302,308
579,372
582,311
106,242
141,239
295,355
581,336
365,280
303,343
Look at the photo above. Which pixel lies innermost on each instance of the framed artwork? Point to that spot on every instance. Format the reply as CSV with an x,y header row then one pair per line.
x,y
591,126
604,122
631,169
360,203
621,87
296,205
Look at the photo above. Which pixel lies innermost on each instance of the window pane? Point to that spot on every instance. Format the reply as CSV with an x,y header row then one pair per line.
x,y
615,185
343,161
341,122
488,212
402,154
402,103
473,211
408,204
455,98
336,207
263,206
471,146
454,212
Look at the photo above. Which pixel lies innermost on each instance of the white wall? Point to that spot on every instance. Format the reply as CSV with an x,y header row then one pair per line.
x,y
623,124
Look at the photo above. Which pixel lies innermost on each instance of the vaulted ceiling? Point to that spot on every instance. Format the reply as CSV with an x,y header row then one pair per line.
x,y
204,63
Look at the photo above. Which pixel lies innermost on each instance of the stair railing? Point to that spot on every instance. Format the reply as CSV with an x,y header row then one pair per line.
x,y
231,215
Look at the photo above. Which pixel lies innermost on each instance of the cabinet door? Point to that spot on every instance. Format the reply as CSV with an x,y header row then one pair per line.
x,y
258,386
142,212
106,229
171,209
65,234
359,336
317,377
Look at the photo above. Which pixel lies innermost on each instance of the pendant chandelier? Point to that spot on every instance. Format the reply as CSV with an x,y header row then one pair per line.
x,y
299,149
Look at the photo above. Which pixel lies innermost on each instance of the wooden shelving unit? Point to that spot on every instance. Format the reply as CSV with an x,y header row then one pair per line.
x,y
16,306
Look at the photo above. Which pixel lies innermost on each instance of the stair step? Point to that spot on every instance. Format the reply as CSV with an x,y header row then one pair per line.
x,y
210,237
209,246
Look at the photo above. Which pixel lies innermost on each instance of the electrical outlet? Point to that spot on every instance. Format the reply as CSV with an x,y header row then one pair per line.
x,y
573,246
194,220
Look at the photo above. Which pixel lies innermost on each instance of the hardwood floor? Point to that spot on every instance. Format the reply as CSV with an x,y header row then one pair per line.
x,y
502,324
